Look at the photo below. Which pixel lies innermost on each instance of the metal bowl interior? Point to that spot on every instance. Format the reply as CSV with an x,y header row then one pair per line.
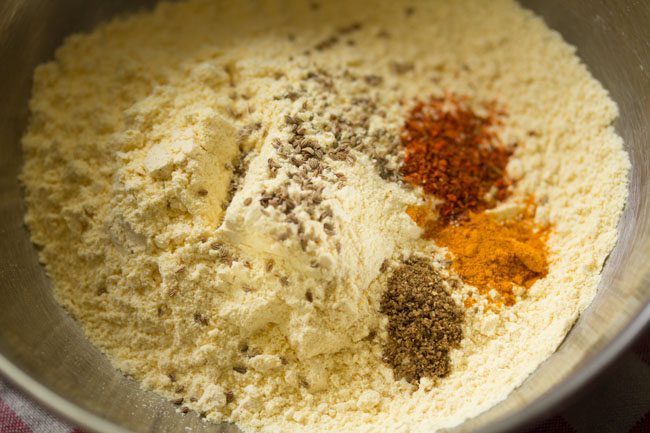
x,y
44,352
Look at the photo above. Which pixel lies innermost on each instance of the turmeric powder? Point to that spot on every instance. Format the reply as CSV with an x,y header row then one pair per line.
x,y
493,255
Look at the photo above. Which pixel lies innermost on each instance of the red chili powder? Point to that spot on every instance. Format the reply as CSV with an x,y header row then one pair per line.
x,y
455,155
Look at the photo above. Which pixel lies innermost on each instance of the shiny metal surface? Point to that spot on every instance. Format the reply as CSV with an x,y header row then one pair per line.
x,y
43,351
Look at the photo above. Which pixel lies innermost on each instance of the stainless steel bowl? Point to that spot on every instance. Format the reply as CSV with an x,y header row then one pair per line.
x,y
44,353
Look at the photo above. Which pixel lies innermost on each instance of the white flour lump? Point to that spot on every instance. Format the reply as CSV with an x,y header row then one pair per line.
x,y
314,205
223,178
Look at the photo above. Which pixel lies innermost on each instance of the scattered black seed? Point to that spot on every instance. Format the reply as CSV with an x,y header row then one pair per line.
x,y
305,161
234,114
292,96
373,80
230,397
240,369
400,68
252,352
356,26
185,409
223,253
327,43
240,167
291,120
329,228
200,319
383,33
230,70
309,296
178,401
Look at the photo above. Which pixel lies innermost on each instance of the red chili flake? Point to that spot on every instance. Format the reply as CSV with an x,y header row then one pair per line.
x,y
455,154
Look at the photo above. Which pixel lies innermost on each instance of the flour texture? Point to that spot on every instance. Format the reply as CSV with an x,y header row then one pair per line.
x,y
215,189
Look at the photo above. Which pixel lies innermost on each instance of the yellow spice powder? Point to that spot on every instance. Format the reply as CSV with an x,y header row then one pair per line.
x,y
496,255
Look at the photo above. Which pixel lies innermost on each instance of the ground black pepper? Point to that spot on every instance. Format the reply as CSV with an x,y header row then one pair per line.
x,y
424,322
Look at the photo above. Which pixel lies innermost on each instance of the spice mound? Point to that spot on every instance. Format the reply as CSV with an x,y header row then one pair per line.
x,y
455,155
424,322
495,256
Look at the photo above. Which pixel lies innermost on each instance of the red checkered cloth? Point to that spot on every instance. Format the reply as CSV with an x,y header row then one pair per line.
x,y
618,402
20,415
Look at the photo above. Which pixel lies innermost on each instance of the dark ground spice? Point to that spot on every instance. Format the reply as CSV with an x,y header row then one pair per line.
x,y
424,322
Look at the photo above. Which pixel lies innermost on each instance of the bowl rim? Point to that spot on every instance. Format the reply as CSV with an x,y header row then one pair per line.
x,y
539,407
